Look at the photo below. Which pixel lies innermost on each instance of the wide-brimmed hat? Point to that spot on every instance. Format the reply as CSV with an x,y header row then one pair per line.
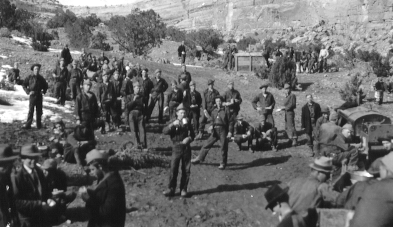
x,y
333,116
210,81
32,67
230,82
96,155
287,86
325,109
30,151
192,83
273,194
239,117
348,126
264,84
158,71
322,164
49,164
7,154
387,160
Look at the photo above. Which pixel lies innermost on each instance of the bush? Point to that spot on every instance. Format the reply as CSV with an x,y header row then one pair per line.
x,y
98,42
270,46
349,92
93,20
175,34
231,40
79,33
61,18
39,47
4,32
262,72
208,39
17,33
245,42
282,72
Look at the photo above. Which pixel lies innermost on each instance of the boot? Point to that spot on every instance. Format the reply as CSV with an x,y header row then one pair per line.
x,y
169,193
199,136
274,148
221,167
183,193
196,160
294,142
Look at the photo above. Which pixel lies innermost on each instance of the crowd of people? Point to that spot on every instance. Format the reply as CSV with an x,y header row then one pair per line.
x,y
125,95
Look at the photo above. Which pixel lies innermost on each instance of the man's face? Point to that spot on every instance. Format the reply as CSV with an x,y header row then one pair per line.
x,y
58,129
263,90
102,54
137,89
325,115
347,133
116,76
144,74
323,177
230,86
181,114
83,50
309,99
74,65
183,68
158,75
173,86
16,65
210,86
86,87
218,102
287,91
29,162
192,88
105,78
96,172
61,63
36,70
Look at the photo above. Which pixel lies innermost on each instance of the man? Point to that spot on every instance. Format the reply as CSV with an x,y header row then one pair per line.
x,y
305,193
227,58
321,120
289,108
14,75
264,103
174,99
208,101
106,201
266,56
86,108
8,214
377,196
243,132
266,133
146,86
278,53
84,56
233,52
182,134
379,88
75,80
78,144
232,99
104,101
277,201
114,92
134,109
30,190
102,59
195,106
181,51
313,62
187,76
35,86
323,55
291,54
222,126
157,95
60,74
66,55
311,111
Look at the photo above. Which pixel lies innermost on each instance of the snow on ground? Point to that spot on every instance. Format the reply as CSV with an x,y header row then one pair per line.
x,y
20,106
3,56
195,66
59,50
29,41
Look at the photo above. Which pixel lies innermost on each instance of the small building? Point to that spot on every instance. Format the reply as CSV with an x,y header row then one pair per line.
x,y
248,61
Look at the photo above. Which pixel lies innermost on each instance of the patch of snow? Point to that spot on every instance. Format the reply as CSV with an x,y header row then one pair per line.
x,y
6,66
59,50
27,41
195,66
3,56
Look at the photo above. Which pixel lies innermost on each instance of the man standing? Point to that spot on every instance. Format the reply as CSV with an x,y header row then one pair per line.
x,y
289,108
232,100
327,132
114,91
8,214
311,111
75,80
181,51
66,55
222,126
61,75
208,101
264,103
182,134
14,76
157,95
187,76
146,87
243,132
102,59
134,109
35,86
195,106
323,55
174,98
227,58
321,120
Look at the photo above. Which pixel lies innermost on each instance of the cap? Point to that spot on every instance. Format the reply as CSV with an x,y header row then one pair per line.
x,y
348,126
157,71
181,107
322,164
136,84
333,116
273,194
231,82
32,67
219,97
96,155
174,82
192,83
287,86
210,81
145,69
239,117
264,84
325,109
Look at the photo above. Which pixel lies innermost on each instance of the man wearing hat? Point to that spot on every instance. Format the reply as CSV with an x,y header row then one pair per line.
x,y
127,87
181,51
184,75
309,192
146,87
114,92
265,132
106,201
75,80
208,104
195,106
14,75
321,120
277,201
104,101
174,99
328,130
66,55
264,103
243,132
311,111
30,189
60,75
221,126
157,95
102,59
232,99
182,134
35,86
134,109
289,108
8,214
377,196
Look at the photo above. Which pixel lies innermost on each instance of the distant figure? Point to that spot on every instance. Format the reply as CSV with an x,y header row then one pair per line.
x,y
323,55
181,51
14,75
65,53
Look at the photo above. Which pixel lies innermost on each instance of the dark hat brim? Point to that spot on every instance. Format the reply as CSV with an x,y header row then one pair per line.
x,y
12,158
320,168
31,155
271,202
32,67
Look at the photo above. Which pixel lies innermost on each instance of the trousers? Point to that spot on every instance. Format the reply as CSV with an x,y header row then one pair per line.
x,y
194,115
218,134
137,127
75,88
60,91
35,101
160,99
204,121
290,125
180,153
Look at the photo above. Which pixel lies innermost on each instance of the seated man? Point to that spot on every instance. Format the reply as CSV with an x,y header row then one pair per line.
x,y
266,133
79,143
243,132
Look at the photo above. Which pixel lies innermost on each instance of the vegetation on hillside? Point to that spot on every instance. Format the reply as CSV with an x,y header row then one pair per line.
x,y
282,72
98,42
61,18
78,32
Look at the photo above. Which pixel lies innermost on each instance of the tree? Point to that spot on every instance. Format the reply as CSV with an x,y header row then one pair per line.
x,y
93,20
282,72
137,32
78,33
61,18
7,12
175,34
98,42
208,39
245,42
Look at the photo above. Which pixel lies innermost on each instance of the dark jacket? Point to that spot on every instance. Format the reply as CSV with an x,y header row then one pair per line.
x,y
126,87
321,120
107,202
174,98
146,86
62,74
308,119
233,94
136,104
178,134
65,53
8,212
241,129
307,218
181,49
101,92
86,108
261,101
114,89
188,78
75,75
208,99
57,181
195,99
35,83
290,102
160,87
350,198
14,76
226,118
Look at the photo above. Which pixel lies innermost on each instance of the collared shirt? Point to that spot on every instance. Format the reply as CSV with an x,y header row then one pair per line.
x,y
180,132
209,99
61,74
35,83
233,94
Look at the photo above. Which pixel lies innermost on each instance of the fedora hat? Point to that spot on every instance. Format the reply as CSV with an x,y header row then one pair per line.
x,y
273,194
7,154
322,164
49,164
239,117
219,97
30,151
158,71
264,84
210,81
32,67
231,82
192,83
325,109
348,126
96,155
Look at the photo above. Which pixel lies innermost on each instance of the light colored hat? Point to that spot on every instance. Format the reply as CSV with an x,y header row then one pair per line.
x,y
158,71
333,116
49,164
30,151
96,155
181,107
7,154
387,160
322,164
231,82
192,83
325,109
287,86
264,84
348,126
174,82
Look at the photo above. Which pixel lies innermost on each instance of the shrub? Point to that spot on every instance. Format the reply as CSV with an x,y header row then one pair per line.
x,y
270,46
98,42
61,18
349,91
4,32
262,72
79,33
17,33
282,72
208,39
245,42
39,47
231,40
175,34
93,20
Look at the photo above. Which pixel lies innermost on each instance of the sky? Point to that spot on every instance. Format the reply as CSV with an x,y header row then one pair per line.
x,y
96,2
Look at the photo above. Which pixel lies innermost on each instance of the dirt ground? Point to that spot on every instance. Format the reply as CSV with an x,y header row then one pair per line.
x,y
233,197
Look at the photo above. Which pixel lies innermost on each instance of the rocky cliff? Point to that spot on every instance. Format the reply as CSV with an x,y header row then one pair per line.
x,y
242,16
